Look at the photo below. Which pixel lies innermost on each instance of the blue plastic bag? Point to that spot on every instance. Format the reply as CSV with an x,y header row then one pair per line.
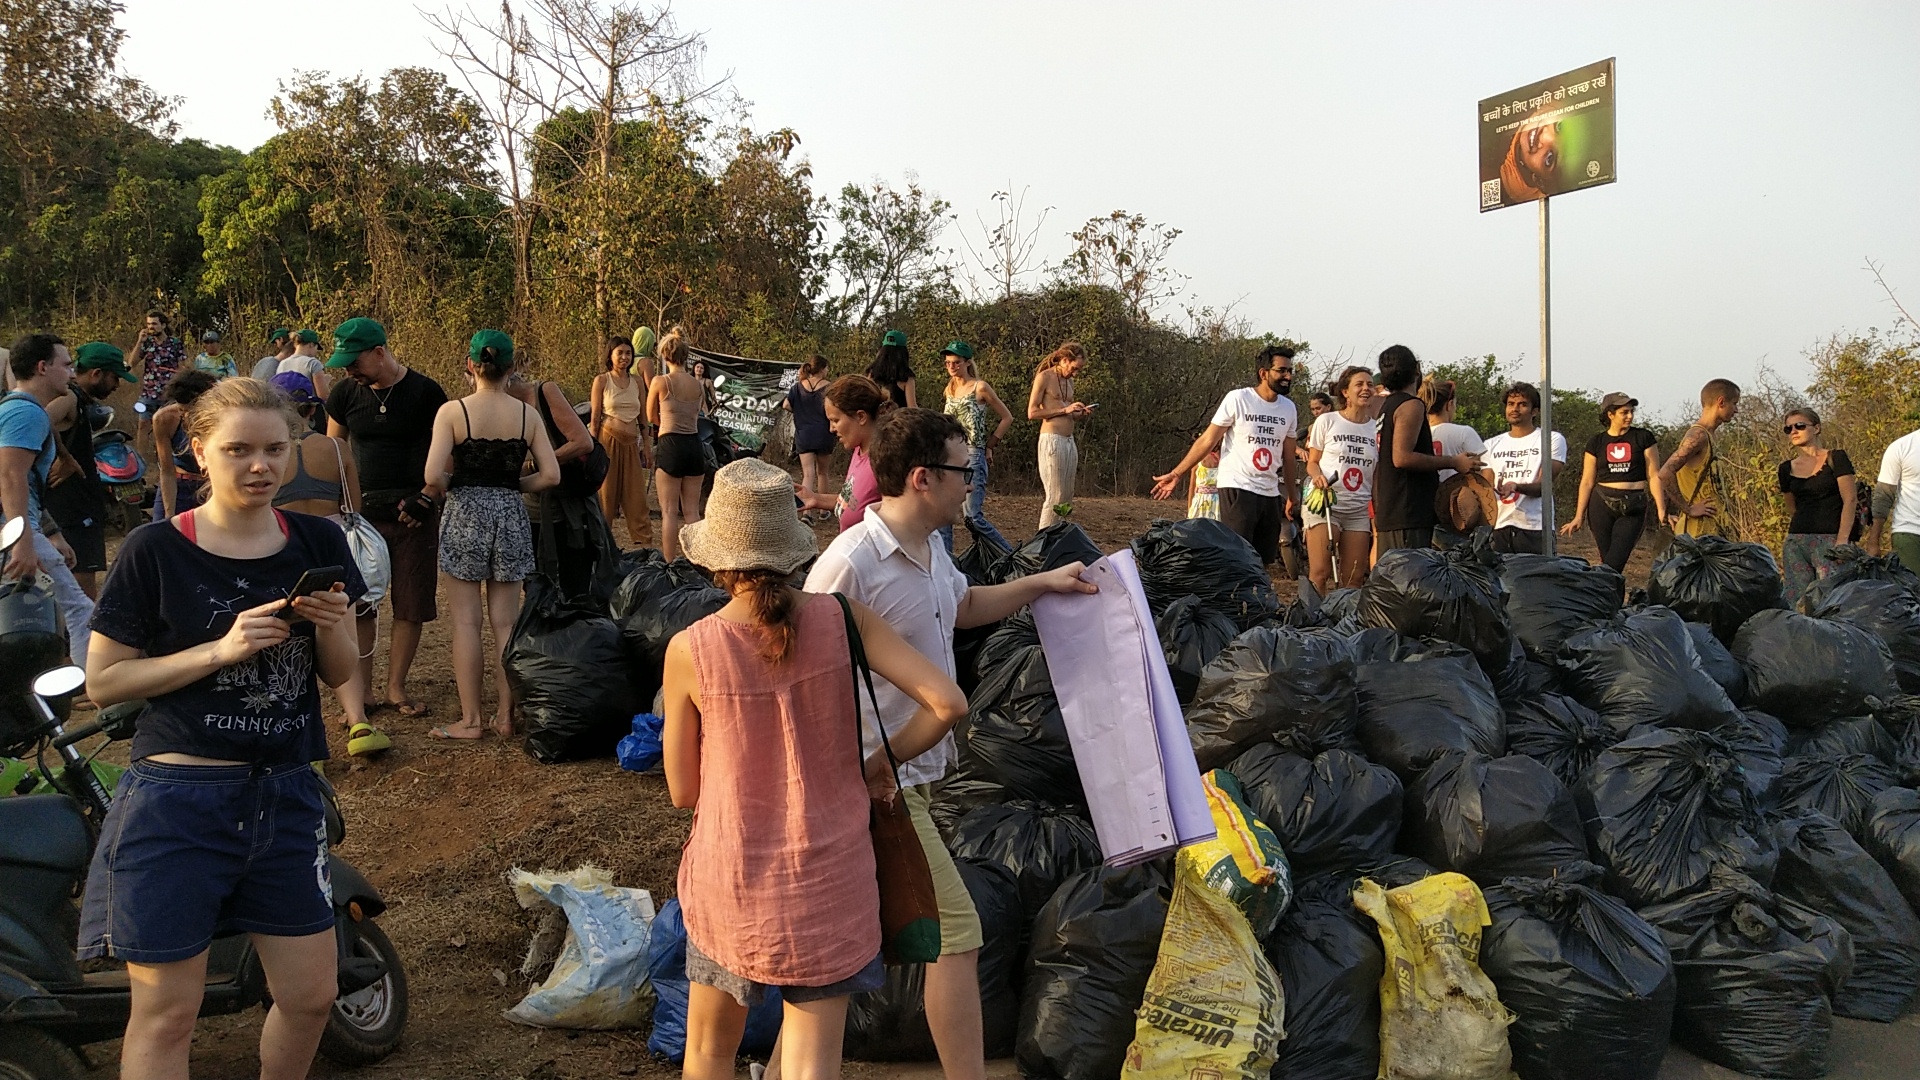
x,y
667,969
641,750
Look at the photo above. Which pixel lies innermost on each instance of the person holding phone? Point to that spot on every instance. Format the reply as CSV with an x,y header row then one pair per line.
x,y
217,827
1052,402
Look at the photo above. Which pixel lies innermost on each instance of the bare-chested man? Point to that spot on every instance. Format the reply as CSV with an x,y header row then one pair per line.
x,y
1053,404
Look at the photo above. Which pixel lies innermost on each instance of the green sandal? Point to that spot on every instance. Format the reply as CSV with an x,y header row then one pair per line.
x,y
364,739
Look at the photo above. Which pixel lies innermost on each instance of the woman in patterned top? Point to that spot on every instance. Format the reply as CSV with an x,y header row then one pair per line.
x,y
971,400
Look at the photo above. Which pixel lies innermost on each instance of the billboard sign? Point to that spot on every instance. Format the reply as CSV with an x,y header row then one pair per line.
x,y
1548,138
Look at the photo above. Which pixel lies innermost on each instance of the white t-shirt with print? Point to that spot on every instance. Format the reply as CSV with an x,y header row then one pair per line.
x,y
1452,439
1518,460
1348,452
1900,467
1257,431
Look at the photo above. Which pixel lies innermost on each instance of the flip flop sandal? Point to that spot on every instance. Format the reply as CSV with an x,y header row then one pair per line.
x,y
444,733
364,739
410,708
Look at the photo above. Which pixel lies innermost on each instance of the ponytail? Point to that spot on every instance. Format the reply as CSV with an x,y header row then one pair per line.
x,y
770,602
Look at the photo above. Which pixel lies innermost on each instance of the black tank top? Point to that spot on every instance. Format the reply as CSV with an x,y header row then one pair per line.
x,y
493,463
1403,498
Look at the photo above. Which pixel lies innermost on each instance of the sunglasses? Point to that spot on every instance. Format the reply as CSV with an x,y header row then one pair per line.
x,y
1798,425
965,471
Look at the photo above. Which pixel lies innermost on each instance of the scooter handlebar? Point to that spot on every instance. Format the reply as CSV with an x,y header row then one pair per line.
x,y
69,736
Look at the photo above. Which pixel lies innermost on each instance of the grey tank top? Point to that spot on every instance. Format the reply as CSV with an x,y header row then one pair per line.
x,y
303,484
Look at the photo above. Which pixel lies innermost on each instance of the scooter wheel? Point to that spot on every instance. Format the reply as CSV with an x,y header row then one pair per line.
x,y
30,1054
365,1026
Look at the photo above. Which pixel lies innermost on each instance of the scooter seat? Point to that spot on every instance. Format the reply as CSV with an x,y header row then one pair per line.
x,y
44,832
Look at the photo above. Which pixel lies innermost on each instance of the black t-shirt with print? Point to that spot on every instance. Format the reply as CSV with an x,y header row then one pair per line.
x,y
1621,459
1816,499
389,447
165,595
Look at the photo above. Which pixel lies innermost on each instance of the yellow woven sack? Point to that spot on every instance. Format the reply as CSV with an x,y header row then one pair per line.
x,y
1213,1008
1243,860
1440,1018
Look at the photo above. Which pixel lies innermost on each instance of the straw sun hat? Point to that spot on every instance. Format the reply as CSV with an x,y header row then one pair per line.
x,y
750,522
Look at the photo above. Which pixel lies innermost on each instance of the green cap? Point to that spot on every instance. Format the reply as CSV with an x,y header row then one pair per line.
x,y
501,344
895,337
307,337
102,356
958,348
278,333
353,337
644,341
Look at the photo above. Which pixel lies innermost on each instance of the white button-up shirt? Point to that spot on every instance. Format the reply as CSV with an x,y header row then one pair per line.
x,y
866,563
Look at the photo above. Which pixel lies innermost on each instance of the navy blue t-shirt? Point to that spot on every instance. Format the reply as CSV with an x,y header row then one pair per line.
x,y
164,594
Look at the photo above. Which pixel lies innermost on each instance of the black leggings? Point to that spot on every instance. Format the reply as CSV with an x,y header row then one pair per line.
x,y
1617,518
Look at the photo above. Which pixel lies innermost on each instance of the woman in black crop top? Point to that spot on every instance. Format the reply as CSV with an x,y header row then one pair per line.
x,y
217,828
1614,487
1822,494
481,444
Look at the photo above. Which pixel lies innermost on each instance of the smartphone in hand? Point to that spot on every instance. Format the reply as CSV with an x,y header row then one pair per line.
x,y
319,579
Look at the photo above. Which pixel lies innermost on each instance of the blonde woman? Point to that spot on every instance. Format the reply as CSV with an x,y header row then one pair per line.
x,y
674,402
985,418
1052,402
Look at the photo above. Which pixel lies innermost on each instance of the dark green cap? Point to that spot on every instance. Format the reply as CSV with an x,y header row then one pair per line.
x,y
895,337
278,333
307,337
102,356
958,348
353,337
500,343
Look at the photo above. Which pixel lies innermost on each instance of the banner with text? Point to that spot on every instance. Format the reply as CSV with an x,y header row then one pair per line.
x,y
1548,138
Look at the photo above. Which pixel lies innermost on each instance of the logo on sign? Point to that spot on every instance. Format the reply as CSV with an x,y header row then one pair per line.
x,y
1262,459
1351,479
1619,453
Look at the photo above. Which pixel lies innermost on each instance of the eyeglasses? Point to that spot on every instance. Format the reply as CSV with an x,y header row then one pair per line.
x,y
965,471
1799,425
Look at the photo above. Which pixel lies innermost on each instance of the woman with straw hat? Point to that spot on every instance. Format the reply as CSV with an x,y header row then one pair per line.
x,y
777,881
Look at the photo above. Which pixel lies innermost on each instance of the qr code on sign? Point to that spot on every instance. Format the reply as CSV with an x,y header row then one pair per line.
x,y
1490,193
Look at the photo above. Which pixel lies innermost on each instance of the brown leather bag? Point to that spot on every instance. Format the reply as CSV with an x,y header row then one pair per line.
x,y
1465,502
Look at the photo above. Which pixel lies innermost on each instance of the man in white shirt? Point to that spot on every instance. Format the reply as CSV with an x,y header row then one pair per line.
x,y
1896,500
267,367
1513,468
1254,430
889,563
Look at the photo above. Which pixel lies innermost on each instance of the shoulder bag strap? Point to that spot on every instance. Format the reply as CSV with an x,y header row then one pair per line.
x,y
346,499
857,652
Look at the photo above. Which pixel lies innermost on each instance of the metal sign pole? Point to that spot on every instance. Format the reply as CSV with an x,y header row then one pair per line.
x,y
1549,525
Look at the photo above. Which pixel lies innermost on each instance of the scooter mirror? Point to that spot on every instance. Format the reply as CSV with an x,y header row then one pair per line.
x,y
12,531
59,682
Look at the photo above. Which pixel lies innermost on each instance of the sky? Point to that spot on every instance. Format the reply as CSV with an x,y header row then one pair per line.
x,y
1318,158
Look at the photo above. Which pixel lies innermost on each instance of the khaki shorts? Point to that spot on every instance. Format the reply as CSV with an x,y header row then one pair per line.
x,y
959,922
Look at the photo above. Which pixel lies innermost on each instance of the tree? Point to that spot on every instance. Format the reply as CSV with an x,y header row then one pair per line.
x,y
1006,251
1126,254
887,248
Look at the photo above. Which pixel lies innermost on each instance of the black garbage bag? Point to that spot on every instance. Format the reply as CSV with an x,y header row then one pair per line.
x,y
1558,732
1493,818
1716,581
1051,548
1202,557
1521,677
890,1024
1825,870
1888,612
1340,605
1016,737
1665,807
1841,787
1274,684
570,677
1893,839
1854,735
1902,718
1192,634
1453,596
1758,742
1756,975
1808,671
1335,811
1550,597
654,601
1850,562
1420,701
1718,663
1640,668
1399,870
983,559
1330,962
1590,984
1040,845
1094,944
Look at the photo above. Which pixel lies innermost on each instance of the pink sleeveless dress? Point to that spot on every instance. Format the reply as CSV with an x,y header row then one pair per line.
x,y
777,879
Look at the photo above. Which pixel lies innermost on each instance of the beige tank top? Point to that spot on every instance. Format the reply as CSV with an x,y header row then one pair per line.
x,y
623,404
680,405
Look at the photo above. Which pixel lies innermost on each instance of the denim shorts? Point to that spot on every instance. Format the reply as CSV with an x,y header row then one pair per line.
x,y
189,853
702,969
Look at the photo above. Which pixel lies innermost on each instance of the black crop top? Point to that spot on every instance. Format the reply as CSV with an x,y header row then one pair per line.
x,y
1621,459
494,463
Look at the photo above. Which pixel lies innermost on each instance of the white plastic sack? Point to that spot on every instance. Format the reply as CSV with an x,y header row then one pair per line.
x,y
599,977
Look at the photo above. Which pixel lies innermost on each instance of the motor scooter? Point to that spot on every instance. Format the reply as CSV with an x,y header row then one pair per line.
x,y
49,1006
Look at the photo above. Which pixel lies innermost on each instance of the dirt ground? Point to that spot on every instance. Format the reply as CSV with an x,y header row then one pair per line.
x,y
437,825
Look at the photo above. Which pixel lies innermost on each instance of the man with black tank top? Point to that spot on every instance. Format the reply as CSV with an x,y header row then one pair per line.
x,y
385,411
1406,478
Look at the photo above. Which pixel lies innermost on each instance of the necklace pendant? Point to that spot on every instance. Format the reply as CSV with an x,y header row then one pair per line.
x,y
383,408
